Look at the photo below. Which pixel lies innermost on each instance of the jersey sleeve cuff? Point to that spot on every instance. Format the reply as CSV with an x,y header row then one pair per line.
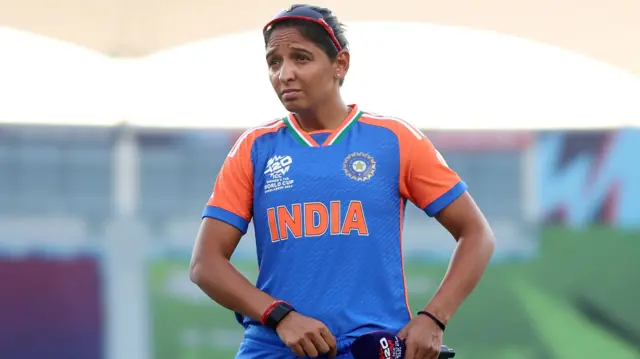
x,y
441,202
227,217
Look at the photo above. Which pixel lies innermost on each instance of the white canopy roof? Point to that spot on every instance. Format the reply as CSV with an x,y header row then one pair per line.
x,y
434,76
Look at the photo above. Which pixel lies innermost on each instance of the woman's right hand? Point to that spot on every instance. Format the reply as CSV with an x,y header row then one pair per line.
x,y
306,336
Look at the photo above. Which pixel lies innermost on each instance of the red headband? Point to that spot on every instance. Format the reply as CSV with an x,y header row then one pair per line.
x,y
306,14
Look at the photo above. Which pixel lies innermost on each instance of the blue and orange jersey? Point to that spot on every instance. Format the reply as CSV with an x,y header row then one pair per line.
x,y
328,209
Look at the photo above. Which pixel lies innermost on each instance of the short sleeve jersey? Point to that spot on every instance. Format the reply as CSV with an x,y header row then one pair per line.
x,y
328,209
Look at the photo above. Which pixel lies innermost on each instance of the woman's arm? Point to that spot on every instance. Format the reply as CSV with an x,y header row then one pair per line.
x,y
214,274
476,244
211,270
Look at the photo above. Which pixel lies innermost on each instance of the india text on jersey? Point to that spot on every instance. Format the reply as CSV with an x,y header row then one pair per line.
x,y
314,219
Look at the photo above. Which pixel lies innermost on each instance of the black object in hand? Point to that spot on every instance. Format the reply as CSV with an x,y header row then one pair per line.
x,y
386,345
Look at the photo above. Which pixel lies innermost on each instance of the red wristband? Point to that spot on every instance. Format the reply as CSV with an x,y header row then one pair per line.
x,y
267,311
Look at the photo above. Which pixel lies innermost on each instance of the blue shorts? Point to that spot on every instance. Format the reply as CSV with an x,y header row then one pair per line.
x,y
258,343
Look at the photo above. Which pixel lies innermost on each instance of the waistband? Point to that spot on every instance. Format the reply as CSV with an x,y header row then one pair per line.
x,y
261,334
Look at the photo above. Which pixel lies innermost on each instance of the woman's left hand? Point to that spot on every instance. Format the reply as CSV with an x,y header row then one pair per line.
x,y
422,338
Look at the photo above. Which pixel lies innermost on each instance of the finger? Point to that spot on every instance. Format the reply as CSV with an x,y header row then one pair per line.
x,y
328,337
411,349
331,342
423,352
320,343
309,348
436,353
297,348
333,352
402,334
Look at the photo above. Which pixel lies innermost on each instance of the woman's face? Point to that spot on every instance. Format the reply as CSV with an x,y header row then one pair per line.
x,y
301,73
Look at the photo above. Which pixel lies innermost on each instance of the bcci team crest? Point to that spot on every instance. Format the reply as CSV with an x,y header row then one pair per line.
x,y
359,166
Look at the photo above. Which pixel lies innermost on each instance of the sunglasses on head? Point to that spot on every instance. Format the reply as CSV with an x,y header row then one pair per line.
x,y
306,14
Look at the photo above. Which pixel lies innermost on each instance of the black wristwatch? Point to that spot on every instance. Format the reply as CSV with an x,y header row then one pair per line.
x,y
277,313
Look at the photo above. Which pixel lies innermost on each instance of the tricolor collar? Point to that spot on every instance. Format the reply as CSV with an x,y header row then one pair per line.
x,y
305,138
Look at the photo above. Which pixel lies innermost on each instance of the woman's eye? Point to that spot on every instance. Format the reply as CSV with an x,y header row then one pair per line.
x,y
302,58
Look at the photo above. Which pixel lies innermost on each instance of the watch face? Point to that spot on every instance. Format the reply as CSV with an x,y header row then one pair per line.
x,y
277,314
281,310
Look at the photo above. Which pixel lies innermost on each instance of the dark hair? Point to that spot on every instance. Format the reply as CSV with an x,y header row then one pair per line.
x,y
314,32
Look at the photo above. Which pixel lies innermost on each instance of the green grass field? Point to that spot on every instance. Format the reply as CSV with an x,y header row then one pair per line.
x,y
541,308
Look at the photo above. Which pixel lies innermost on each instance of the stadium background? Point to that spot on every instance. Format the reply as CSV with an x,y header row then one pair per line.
x,y
97,218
